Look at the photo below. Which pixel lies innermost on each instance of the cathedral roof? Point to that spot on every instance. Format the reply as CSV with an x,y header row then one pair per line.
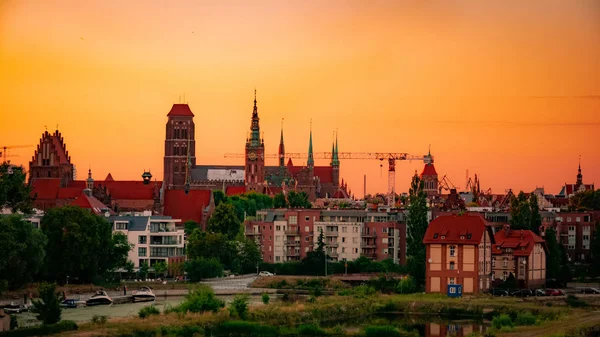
x,y
429,170
89,202
180,110
186,206
109,177
235,190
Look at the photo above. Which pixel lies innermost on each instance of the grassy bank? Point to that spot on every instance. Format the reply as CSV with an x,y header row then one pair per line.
x,y
299,283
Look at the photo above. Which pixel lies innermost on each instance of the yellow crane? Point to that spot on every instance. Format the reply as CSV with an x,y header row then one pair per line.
x,y
5,149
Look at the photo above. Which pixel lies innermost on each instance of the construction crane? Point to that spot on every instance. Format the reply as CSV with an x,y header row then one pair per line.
x,y
391,157
445,184
5,149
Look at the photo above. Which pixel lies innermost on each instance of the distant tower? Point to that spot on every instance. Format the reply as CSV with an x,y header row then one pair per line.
x,y
255,154
311,159
281,149
429,176
579,176
90,180
335,163
51,160
180,134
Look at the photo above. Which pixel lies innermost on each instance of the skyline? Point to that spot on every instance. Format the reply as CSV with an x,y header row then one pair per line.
x,y
508,88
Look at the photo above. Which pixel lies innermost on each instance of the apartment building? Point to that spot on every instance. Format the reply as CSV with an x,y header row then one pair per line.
x,y
155,238
575,230
522,253
458,251
289,234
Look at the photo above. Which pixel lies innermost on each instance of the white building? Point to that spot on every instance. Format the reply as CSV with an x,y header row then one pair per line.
x,y
154,238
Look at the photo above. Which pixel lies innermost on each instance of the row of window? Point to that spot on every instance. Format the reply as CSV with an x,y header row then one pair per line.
x,y
180,133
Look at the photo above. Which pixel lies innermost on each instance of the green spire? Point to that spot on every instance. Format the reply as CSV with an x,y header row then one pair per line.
x,y
336,159
311,160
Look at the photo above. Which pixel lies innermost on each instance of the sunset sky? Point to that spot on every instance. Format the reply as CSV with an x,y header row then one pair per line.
x,y
509,90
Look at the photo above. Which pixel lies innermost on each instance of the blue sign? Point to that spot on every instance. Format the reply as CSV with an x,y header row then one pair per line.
x,y
455,290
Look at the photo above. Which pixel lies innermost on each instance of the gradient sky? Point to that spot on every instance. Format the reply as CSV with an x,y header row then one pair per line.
x,y
509,90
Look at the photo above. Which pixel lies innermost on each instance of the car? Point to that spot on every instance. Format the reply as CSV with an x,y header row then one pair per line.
x,y
539,292
265,273
590,291
554,292
522,293
497,292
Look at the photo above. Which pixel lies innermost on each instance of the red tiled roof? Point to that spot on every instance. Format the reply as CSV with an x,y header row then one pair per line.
x,y
235,190
109,178
571,188
180,110
429,170
88,202
451,227
325,174
62,156
128,190
521,241
186,207
339,194
69,192
45,188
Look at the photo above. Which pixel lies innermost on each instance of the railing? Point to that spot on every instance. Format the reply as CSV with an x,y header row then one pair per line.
x,y
369,245
331,233
292,243
368,235
332,244
252,233
292,254
292,232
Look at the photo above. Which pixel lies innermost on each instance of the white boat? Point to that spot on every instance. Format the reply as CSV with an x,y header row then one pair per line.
x,y
13,308
143,294
72,303
99,298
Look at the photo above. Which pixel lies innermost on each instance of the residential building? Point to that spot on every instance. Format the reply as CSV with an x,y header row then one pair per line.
x,y
154,238
458,251
289,234
522,253
575,230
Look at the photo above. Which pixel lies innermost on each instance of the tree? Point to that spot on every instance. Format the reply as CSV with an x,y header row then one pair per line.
x,y
14,193
219,197
225,221
535,219
190,225
47,307
586,200
81,244
553,258
200,268
144,269
248,256
416,224
160,268
314,263
208,245
520,212
129,267
22,251
298,200
595,249
279,201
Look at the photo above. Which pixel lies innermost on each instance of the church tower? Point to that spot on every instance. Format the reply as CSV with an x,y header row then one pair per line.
x,y
335,163
179,141
51,160
255,155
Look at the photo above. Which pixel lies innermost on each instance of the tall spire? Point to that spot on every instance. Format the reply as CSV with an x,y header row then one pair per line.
x,y
579,175
336,159
281,148
311,160
254,126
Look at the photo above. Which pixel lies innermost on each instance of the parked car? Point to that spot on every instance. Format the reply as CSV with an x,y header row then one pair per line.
x,y
265,273
554,292
590,291
522,293
497,292
539,292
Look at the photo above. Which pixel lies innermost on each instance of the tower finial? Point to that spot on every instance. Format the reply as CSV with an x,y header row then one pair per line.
x,y
429,149
254,96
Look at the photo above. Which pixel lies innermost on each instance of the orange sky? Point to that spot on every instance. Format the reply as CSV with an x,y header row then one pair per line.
x,y
495,87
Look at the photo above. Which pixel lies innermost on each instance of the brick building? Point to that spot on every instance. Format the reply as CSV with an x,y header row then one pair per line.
x,y
458,249
289,234
522,253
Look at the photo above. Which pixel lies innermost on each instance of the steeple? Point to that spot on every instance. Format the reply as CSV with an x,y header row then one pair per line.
x,y
336,159
579,175
281,148
311,161
254,127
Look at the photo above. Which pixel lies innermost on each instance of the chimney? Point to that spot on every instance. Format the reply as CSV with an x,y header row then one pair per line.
x,y
521,234
506,229
87,192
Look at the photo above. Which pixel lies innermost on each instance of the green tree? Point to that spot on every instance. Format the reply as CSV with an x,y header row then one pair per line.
x,y
160,268
201,268
14,193
520,212
535,219
314,263
129,267
279,201
189,226
239,306
21,250
553,259
587,200
47,307
219,197
248,256
81,244
225,221
208,245
298,200
416,223
144,269
595,249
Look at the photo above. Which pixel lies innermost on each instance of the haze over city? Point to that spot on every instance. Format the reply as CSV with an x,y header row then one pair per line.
x,y
511,93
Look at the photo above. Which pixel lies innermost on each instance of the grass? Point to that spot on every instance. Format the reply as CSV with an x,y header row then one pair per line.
x,y
299,282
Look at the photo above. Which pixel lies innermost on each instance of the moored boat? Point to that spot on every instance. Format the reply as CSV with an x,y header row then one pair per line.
x,y
99,298
143,294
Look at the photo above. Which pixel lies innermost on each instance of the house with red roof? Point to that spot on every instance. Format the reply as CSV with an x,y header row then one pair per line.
x,y
521,253
196,205
458,251
569,190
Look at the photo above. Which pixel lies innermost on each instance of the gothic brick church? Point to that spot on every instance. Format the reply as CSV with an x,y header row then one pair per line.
x,y
182,173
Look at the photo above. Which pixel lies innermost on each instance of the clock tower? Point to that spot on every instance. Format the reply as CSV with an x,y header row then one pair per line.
x,y
255,155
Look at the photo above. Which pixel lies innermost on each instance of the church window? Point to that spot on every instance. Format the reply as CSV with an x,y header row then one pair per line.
x,y
185,134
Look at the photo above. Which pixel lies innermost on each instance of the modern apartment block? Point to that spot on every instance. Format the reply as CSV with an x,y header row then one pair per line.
x,y
289,234
155,238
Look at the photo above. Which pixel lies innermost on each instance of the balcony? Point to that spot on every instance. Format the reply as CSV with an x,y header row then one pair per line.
x,y
292,232
369,245
368,235
292,243
333,254
332,244
331,233
290,253
252,233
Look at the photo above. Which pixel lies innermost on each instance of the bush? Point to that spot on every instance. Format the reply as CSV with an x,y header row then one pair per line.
x,y
201,299
317,291
14,323
406,285
382,331
266,298
358,292
200,268
575,302
243,329
47,307
42,330
239,306
311,299
503,320
525,318
310,330
148,311
96,319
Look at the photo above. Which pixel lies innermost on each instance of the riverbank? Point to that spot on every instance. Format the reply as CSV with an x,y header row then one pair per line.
x,y
335,310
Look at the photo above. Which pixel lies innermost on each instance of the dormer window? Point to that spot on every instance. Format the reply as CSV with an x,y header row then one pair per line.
x,y
522,248
435,235
468,236
443,237
462,237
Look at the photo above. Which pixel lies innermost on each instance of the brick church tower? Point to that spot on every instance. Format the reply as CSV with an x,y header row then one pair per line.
x,y
179,143
255,155
51,160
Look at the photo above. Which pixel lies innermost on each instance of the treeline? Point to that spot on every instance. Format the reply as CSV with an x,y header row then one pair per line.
x,y
310,267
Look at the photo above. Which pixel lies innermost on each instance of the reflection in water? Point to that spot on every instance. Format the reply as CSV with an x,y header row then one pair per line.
x,y
453,328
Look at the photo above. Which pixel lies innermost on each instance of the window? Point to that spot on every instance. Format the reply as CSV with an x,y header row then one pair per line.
x,y
306,229
120,225
355,250
578,219
277,228
354,240
469,236
270,238
141,251
568,219
277,238
452,250
293,220
142,239
505,262
277,258
344,229
452,264
493,263
384,240
306,238
343,239
435,235
504,275
384,230
343,249
306,218
493,275
451,280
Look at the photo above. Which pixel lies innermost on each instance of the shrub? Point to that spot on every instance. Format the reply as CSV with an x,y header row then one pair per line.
x,y
503,320
201,299
42,330
239,306
311,299
576,302
200,268
266,298
243,329
310,330
14,323
148,311
525,318
317,291
406,285
96,319
382,331
47,307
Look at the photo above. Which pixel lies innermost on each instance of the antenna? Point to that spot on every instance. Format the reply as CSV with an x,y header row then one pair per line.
x,y
57,130
184,101
46,127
